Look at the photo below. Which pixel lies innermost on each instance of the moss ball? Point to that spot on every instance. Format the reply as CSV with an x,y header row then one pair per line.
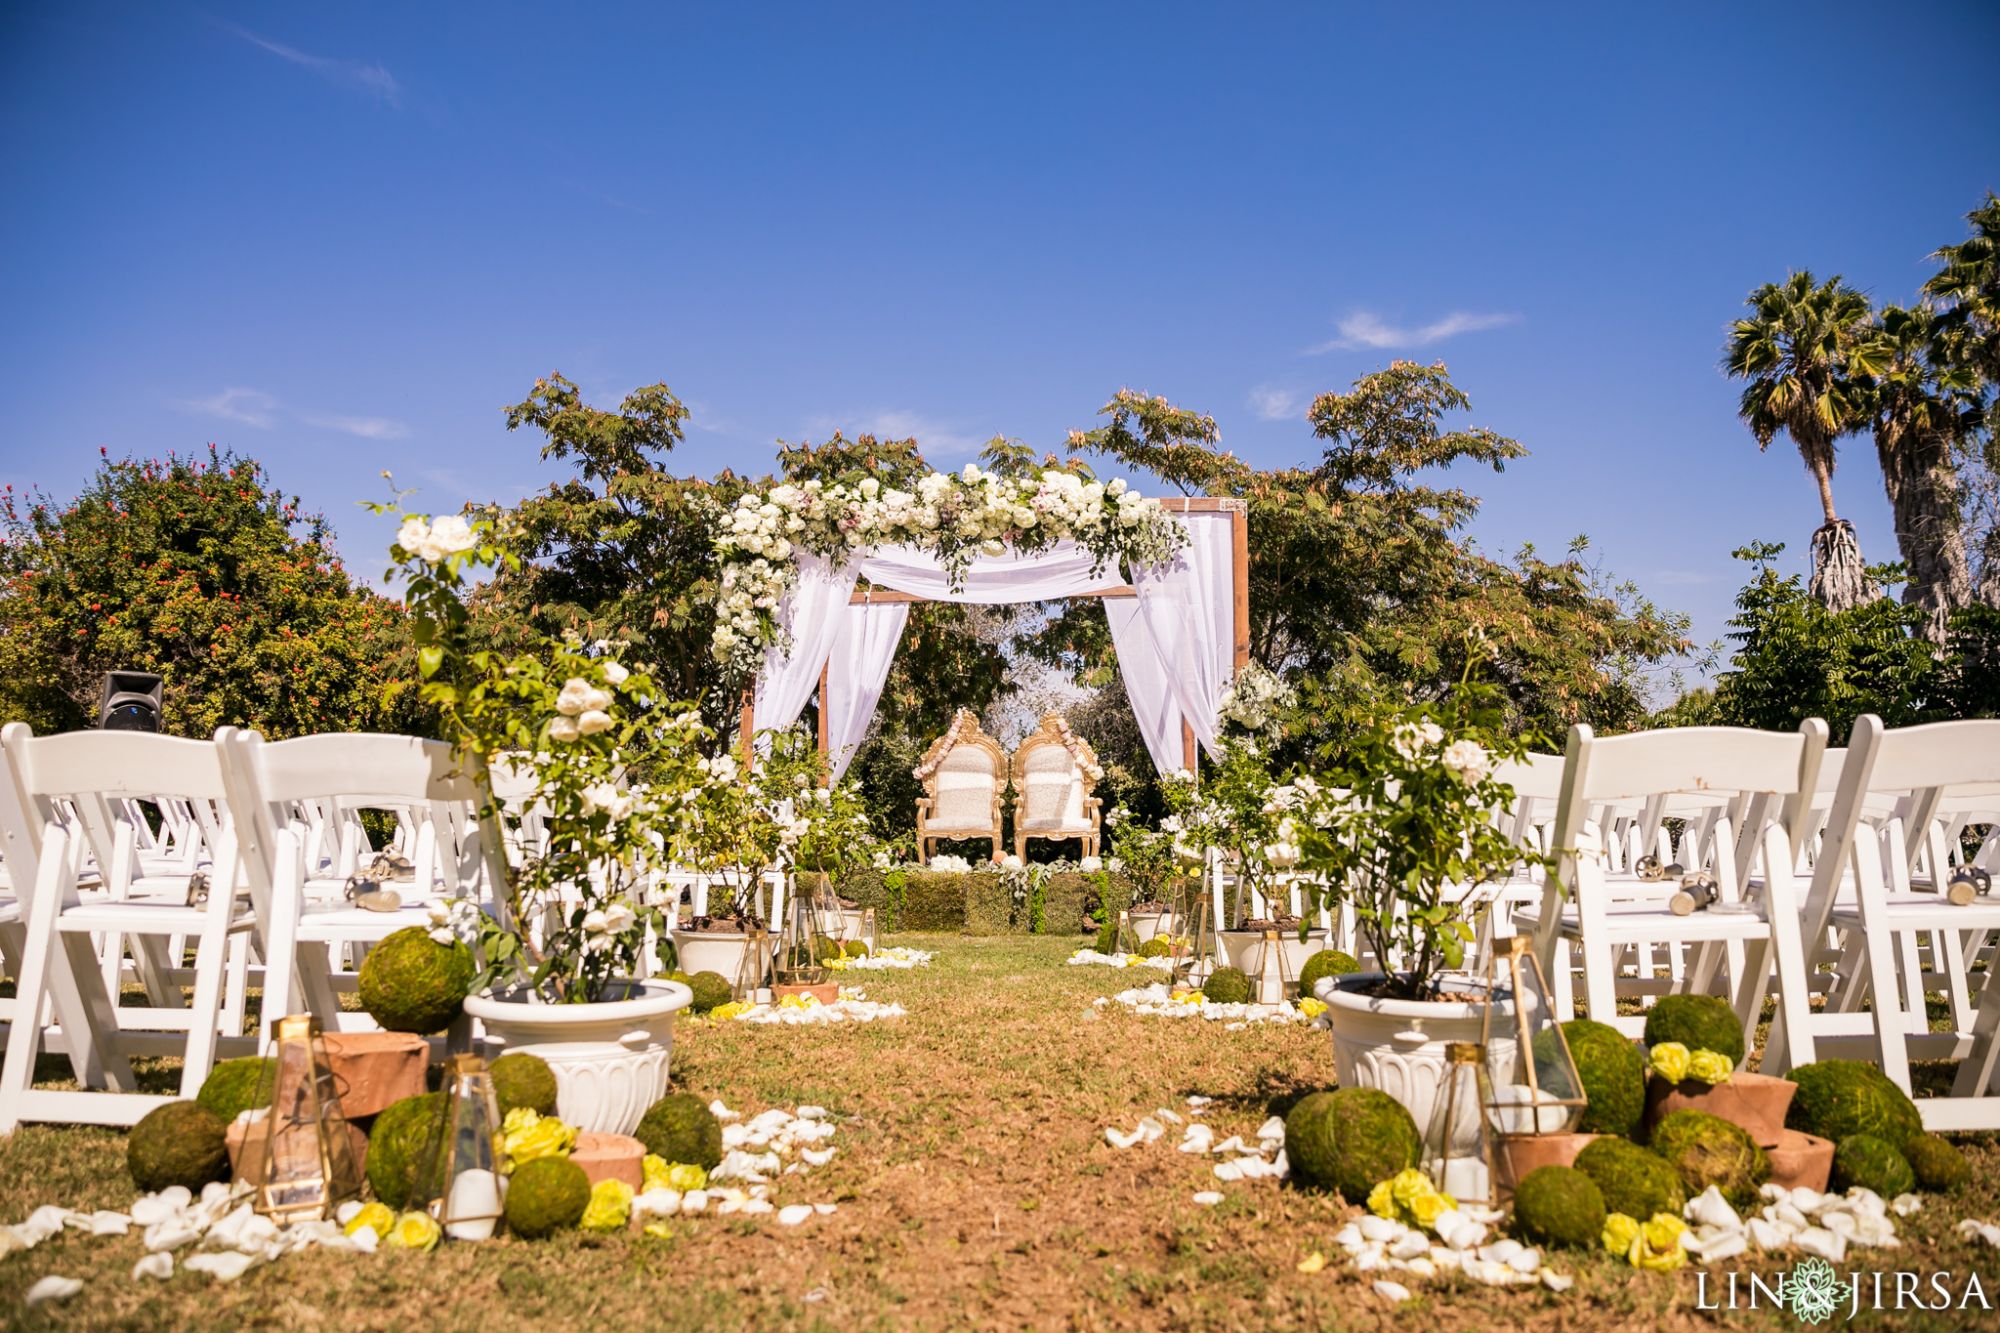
x,y
856,948
239,1085
1864,1160
546,1195
1841,1098
1708,1150
1613,1071
1157,947
1227,985
1350,1139
180,1143
521,1079
1632,1180
411,983
1325,963
1698,1022
711,991
682,1130
1939,1167
1560,1205
1107,938
396,1144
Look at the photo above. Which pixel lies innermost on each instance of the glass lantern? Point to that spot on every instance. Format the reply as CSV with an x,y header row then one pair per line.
x,y
1458,1146
459,1182
814,926
309,1160
1532,1092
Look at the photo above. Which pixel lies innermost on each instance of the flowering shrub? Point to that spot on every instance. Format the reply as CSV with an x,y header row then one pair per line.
x,y
952,514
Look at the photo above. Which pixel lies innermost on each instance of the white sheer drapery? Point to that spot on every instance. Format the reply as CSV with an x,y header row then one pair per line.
x,y
856,670
1064,570
812,613
1147,688
1189,606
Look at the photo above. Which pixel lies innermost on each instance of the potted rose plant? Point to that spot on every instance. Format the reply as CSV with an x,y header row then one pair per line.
x,y
608,766
1405,835
743,826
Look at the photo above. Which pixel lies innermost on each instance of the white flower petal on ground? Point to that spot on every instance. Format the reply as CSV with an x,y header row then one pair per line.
x,y
157,1266
1557,1282
223,1267
51,1288
793,1214
1208,1198
1393,1291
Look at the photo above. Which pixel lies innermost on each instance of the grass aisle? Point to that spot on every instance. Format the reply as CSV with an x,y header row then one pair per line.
x,y
974,1184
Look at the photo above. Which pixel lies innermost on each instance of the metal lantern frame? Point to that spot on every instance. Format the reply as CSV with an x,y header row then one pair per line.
x,y
1514,980
1462,1098
304,1101
811,916
470,1104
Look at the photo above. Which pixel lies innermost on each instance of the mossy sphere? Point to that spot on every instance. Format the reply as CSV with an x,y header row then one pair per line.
x,y
521,1079
1325,963
1350,1139
1559,1205
1938,1165
546,1195
1227,985
411,983
1633,1181
856,948
711,990
1840,1098
1612,1069
680,1129
181,1143
1866,1161
1157,947
396,1144
1708,1150
239,1085
1698,1022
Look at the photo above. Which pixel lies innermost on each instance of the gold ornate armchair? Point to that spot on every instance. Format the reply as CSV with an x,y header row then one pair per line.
x,y
963,774
1055,772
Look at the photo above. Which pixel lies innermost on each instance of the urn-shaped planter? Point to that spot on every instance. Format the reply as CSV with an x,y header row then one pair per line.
x,y
609,1057
1245,950
1757,1102
1150,923
1398,1046
725,953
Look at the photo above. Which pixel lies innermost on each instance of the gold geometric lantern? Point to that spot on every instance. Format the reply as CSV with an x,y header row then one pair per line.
x,y
1533,1093
458,1180
309,1163
1458,1144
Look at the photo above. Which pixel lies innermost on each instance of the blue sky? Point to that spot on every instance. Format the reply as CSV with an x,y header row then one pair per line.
x,y
341,238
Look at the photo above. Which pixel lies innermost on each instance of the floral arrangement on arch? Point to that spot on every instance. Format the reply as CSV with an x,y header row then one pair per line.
x,y
1086,760
953,515
944,744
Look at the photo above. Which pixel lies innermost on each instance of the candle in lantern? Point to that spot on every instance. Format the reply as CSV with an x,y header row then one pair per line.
x,y
1465,1178
476,1197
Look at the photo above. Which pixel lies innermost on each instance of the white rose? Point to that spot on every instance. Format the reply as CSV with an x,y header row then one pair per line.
x,y
574,697
562,728
594,922
594,721
452,534
1468,761
597,699
619,918
614,673
1010,862
414,535
1090,865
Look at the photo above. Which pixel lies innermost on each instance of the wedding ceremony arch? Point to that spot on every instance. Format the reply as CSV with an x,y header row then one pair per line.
x,y
1180,625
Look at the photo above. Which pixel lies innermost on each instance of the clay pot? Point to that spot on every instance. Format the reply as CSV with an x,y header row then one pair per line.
x,y
611,1157
1517,1155
245,1142
1756,1102
826,992
1801,1159
373,1070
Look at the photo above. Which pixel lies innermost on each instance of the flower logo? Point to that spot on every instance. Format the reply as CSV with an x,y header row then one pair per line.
x,y
1812,1290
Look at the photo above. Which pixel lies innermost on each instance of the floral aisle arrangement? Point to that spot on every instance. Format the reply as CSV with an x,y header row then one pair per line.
x,y
953,515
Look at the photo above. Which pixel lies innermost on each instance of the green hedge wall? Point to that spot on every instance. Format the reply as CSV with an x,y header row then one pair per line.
x,y
980,903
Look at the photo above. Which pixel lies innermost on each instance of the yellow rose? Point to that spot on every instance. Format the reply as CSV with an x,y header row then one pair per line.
x,y
656,1170
1621,1233
685,1176
1382,1202
722,1013
374,1215
1664,1229
527,1136
1311,1007
1427,1208
1658,1248
1671,1061
1409,1185
413,1231
661,1230
1711,1067
610,1206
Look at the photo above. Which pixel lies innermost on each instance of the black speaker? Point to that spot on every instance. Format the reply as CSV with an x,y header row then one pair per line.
x,y
131,701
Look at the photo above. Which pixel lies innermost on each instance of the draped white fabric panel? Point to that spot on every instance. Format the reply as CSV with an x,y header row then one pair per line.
x,y
812,612
856,671
1064,570
1189,607
1146,684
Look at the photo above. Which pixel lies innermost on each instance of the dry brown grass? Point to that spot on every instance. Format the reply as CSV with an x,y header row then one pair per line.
x,y
976,1190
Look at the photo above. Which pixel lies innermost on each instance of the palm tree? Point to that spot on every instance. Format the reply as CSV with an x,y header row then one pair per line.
x,y
1923,404
1970,282
1796,351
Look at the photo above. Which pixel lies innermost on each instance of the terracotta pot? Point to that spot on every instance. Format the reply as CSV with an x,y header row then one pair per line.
x,y
1801,1159
1756,1102
826,992
1516,1155
245,1142
372,1070
611,1157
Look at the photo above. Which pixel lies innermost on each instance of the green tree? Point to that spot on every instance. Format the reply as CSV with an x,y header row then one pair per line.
x,y
199,569
1968,283
1797,352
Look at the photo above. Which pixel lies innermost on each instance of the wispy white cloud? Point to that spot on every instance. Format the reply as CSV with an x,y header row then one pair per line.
x,y
937,439
1365,329
373,80
254,407
247,406
1272,403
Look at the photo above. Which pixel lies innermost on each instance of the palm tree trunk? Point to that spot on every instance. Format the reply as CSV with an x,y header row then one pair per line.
x,y
1823,474
1840,578
1988,590
1923,494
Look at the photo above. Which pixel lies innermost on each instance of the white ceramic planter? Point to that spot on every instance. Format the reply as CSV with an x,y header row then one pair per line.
x,y
1151,925
1397,1046
1240,949
609,1058
717,952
